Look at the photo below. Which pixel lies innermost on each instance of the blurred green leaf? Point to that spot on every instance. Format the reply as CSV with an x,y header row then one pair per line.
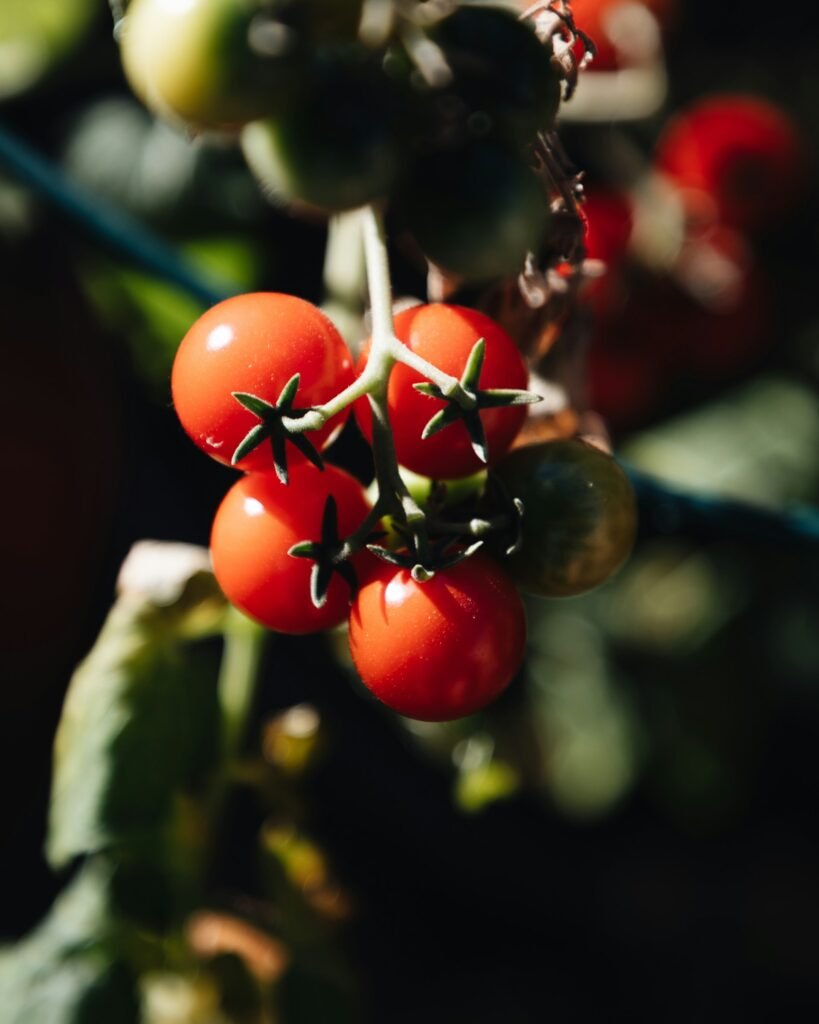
x,y
154,316
34,35
119,152
67,971
485,784
758,443
140,725
589,733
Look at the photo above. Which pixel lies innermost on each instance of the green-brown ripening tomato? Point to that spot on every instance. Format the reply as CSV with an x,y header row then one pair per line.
x,y
337,144
211,63
476,211
503,80
579,516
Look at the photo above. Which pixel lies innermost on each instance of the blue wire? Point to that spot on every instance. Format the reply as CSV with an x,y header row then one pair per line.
x,y
106,222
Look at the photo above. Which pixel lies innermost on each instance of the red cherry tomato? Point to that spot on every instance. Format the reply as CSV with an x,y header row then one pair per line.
x,y
442,649
258,522
445,335
742,151
255,343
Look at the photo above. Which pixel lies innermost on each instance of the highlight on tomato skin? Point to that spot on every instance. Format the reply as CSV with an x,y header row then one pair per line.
x,y
257,523
445,335
742,151
579,520
442,649
255,343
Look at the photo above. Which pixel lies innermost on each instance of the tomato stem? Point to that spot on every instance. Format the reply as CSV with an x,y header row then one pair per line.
x,y
392,491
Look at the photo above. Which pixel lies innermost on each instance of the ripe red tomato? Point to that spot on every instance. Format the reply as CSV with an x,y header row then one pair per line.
x,y
442,649
445,335
742,151
255,343
258,522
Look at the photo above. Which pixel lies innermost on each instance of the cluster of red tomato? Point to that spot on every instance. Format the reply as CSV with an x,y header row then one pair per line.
x,y
731,166
435,649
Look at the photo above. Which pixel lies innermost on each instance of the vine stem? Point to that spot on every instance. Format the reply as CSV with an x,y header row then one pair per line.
x,y
384,353
386,350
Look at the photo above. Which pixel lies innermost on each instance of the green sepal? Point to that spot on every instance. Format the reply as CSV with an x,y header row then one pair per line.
x,y
252,440
454,411
477,435
495,398
288,392
320,576
393,557
304,549
474,364
258,406
443,418
327,556
272,426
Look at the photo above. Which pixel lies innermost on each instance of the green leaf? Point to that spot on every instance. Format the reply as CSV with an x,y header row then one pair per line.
x,y
68,970
139,730
35,36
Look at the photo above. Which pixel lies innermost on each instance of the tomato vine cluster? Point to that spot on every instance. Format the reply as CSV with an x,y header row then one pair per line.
x,y
436,110
437,629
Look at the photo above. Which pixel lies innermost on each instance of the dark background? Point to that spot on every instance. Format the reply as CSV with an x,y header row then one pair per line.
x,y
677,904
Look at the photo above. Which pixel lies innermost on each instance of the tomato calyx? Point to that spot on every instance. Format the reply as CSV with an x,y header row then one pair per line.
x,y
507,517
440,555
272,427
330,556
469,399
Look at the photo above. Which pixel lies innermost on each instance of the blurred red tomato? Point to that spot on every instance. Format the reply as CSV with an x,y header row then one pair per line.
x,y
709,324
608,218
592,17
742,151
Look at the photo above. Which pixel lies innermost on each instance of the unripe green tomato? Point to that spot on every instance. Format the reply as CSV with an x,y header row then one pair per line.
x,y
579,517
211,63
503,79
476,210
336,146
